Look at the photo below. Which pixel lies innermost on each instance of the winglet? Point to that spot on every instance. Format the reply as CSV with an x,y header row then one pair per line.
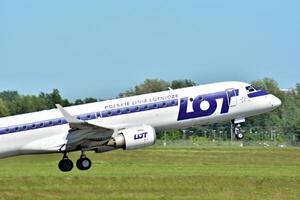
x,y
67,116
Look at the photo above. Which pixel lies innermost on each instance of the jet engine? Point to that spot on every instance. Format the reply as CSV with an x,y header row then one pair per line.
x,y
134,138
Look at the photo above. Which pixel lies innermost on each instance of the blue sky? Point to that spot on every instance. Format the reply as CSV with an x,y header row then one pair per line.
x,y
101,48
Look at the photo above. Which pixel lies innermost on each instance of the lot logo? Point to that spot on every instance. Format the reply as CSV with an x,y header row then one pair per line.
x,y
140,136
212,104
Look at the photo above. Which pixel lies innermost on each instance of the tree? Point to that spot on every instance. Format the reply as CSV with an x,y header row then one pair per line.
x,y
297,131
90,100
78,102
182,84
149,85
8,96
156,85
3,109
54,98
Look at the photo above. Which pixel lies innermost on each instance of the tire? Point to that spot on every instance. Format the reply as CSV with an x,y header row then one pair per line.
x,y
65,165
239,136
83,163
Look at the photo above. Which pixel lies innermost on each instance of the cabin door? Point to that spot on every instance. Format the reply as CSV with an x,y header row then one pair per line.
x,y
231,97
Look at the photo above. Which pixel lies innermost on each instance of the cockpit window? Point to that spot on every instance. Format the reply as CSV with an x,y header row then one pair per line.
x,y
255,87
250,89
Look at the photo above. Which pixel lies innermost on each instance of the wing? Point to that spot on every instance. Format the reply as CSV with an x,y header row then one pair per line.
x,y
84,135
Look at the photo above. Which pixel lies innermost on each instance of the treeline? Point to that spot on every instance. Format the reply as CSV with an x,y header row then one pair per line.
x,y
281,124
13,103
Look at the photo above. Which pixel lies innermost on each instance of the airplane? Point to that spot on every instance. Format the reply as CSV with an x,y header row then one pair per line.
x,y
130,122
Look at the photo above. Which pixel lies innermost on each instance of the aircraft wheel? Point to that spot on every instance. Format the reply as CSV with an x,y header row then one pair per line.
x,y
238,132
239,136
65,165
84,163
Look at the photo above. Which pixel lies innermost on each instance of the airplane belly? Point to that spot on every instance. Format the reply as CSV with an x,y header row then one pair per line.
x,y
8,147
33,141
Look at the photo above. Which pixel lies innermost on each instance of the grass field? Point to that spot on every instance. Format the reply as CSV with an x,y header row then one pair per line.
x,y
158,173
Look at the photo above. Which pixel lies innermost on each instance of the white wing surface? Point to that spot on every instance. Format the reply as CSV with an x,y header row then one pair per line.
x,y
84,135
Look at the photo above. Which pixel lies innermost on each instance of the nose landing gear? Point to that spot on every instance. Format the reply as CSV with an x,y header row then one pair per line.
x,y
238,132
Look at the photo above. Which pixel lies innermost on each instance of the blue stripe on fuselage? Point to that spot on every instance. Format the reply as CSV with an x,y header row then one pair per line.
x,y
257,94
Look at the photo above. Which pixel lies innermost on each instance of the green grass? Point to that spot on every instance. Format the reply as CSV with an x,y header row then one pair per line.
x,y
158,173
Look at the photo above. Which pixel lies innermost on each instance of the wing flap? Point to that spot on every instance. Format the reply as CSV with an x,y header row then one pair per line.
x,y
81,132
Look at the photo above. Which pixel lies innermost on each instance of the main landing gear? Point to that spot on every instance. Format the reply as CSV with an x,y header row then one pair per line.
x,y
66,165
83,163
238,132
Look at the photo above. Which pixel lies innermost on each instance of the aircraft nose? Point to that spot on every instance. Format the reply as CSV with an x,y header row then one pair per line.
x,y
276,102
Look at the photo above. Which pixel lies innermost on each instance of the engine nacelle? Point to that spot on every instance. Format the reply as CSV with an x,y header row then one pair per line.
x,y
134,137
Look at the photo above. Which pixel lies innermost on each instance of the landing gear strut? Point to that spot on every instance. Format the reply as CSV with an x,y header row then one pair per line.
x,y
65,165
83,163
238,132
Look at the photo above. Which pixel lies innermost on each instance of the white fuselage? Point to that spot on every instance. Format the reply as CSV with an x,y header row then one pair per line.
x,y
46,131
